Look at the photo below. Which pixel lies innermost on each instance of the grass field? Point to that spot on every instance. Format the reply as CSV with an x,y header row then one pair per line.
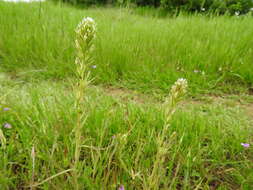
x,y
144,53
136,61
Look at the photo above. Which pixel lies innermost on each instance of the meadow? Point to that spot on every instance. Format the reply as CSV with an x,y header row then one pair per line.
x,y
127,141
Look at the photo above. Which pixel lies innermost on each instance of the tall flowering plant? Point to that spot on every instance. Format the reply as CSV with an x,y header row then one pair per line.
x,y
178,90
85,35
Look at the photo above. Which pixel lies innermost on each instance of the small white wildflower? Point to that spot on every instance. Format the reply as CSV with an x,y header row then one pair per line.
x,y
237,13
94,66
203,9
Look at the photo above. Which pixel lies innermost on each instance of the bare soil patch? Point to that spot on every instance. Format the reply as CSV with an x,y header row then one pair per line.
x,y
127,95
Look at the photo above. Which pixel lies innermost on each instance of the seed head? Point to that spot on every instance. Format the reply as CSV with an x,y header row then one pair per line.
x,y
179,88
85,33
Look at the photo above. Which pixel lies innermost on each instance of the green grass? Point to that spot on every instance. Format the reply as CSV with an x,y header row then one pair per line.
x,y
143,53
120,136
204,150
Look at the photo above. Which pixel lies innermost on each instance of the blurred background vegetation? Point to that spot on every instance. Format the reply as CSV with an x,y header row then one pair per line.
x,y
217,6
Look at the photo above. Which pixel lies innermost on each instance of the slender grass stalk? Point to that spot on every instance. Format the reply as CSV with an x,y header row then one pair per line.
x,y
85,34
50,178
2,139
33,166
